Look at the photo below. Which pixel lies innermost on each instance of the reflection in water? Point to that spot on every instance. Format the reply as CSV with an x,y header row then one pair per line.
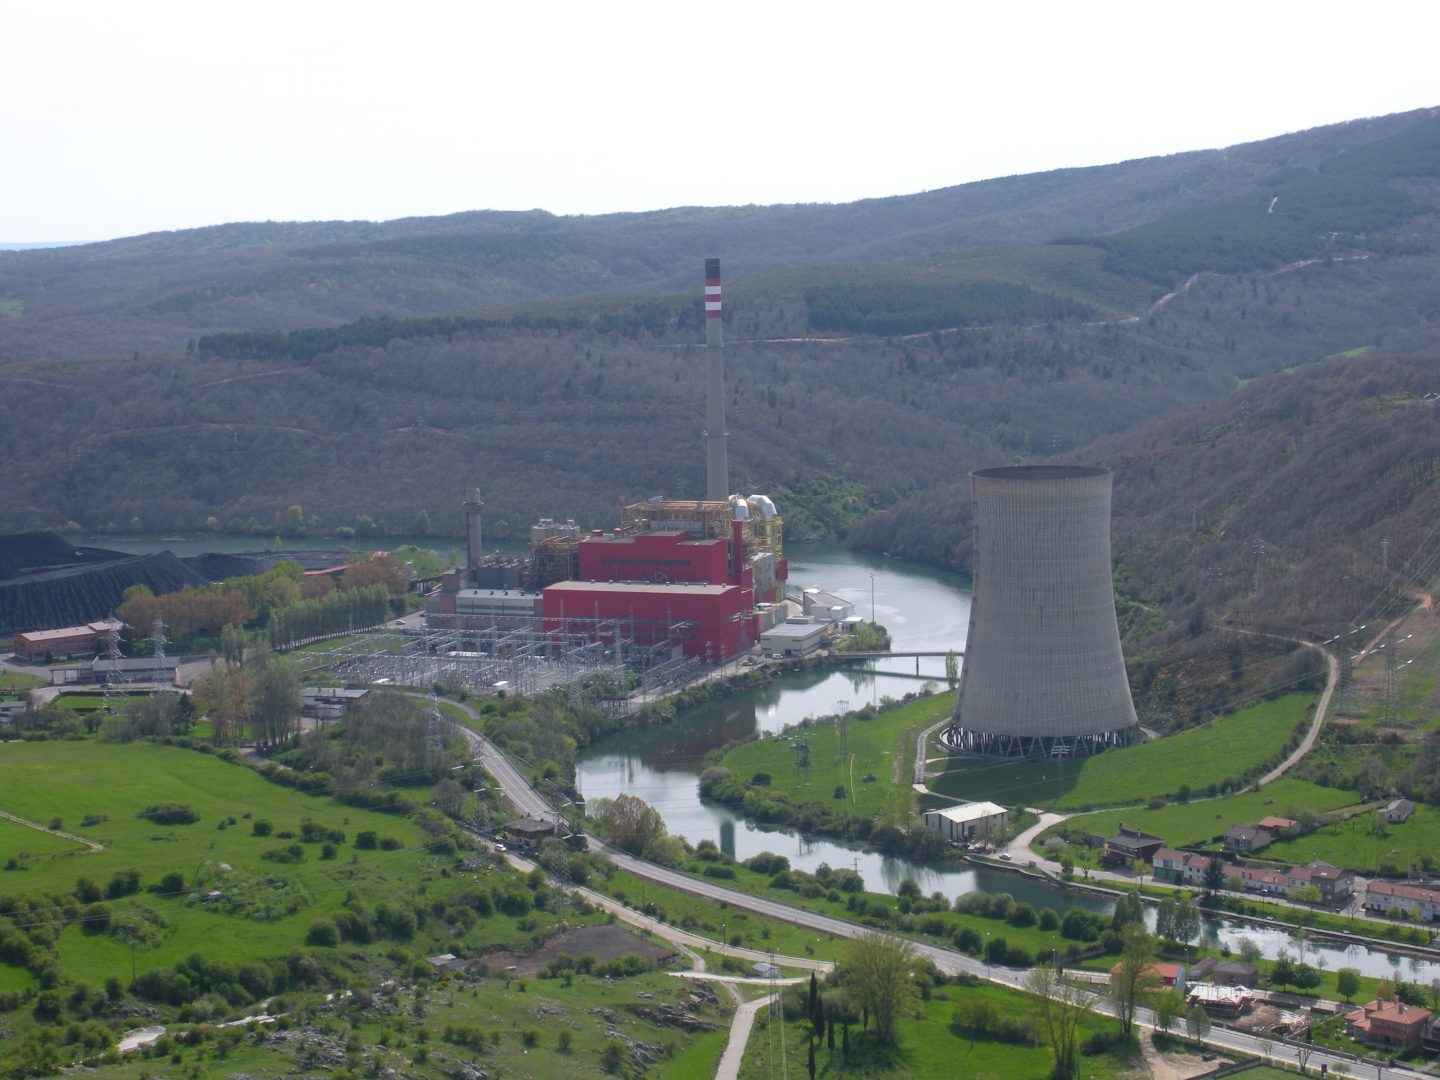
x,y
923,611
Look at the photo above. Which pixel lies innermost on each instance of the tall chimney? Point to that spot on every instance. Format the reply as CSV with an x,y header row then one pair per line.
x,y
475,552
717,469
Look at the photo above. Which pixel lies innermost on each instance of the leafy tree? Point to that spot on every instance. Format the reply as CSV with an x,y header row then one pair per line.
x,y
1133,977
1128,909
1169,1005
1214,875
879,973
1197,1022
1347,982
274,699
1058,1007
1165,919
1282,971
1187,921
1305,977
222,696
630,823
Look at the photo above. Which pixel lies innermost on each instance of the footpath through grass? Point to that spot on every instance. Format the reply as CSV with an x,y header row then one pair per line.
x,y
1208,760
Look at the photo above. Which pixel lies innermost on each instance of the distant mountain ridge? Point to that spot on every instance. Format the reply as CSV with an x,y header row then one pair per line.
x,y
155,292
263,377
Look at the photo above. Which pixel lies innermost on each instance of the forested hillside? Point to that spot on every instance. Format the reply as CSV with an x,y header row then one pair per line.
x,y
154,294
1304,500
356,376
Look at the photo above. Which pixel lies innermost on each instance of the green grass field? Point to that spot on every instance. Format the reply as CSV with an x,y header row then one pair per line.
x,y
880,746
113,783
1197,758
1359,844
1197,823
99,790
928,1048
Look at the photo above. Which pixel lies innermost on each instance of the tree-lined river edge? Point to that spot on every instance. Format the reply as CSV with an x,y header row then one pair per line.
x,y
924,610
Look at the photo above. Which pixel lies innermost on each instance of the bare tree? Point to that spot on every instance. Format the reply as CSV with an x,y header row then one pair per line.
x,y
1058,1008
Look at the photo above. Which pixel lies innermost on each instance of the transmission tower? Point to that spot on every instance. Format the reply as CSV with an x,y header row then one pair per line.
x,y
112,682
1392,691
434,730
840,723
1257,552
159,641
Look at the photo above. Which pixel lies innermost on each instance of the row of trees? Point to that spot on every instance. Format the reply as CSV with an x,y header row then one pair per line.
x,y
336,612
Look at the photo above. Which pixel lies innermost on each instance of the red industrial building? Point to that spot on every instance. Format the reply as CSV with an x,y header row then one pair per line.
x,y
693,584
66,641
705,621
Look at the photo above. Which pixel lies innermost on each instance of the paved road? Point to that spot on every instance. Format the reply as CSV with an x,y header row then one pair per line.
x,y
528,801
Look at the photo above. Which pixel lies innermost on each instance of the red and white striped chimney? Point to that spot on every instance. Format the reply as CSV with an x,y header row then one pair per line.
x,y
717,469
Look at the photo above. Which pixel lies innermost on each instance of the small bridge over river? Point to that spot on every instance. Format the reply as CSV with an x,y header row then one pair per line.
x,y
840,657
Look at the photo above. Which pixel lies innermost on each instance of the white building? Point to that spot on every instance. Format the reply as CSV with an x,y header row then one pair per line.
x,y
1413,900
826,607
793,638
969,822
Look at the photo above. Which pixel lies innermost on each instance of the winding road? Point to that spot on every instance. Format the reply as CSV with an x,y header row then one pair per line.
x,y
526,800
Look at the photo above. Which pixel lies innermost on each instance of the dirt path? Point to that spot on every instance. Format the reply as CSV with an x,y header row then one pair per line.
x,y
91,844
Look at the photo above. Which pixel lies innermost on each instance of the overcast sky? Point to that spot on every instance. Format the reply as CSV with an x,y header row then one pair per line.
x,y
123,118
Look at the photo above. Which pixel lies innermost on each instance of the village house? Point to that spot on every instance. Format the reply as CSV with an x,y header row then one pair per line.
x,y
1243,838
1235,973
1336,886
1128,845
1258,880
1163,976
1388,1025
1398,811
1413,900
1278,826
1181,867
968,822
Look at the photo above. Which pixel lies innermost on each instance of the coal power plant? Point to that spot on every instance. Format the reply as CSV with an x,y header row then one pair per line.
x,y
1043,674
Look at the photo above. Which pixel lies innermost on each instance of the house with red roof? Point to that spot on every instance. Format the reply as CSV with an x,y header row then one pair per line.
x,y
1389,1025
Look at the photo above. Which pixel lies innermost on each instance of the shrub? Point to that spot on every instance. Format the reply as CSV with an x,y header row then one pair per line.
x,y
124,883
323,932
170,814
367,840
261,827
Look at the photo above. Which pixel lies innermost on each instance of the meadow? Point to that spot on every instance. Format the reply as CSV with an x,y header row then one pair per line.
x,y
1219,755
930,1048
1196,824
102,790
1363,842
880,758
208,884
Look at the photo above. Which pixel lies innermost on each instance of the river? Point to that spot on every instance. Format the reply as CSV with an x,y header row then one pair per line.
x,y
923,610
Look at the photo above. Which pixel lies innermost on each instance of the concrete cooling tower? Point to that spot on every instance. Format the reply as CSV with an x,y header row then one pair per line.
x,y
1043,671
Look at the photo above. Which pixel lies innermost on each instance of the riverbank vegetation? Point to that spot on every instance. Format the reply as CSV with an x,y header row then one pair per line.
x,y
1216,759
847,776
